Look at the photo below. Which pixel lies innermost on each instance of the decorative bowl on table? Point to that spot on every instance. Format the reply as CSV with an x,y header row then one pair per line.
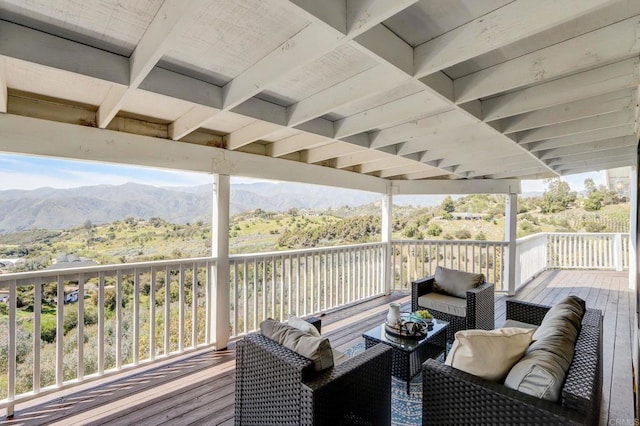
x,y
409,326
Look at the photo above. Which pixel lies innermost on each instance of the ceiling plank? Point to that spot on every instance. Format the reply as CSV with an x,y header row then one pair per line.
x,y
383,164
365,84
249,134
591,146
609,78
171,18
190,121
419,128
408,108
510,174
294,143
403,169
573,160
606,165
424,174
503,26
582,125
609,102
609,44
580,138
329,151
359,158
448,139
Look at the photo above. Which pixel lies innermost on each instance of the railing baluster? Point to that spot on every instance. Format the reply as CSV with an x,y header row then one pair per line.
x,y
59,333
80,327
245,297
152,314
167,311
37,314
119,319
194,306
101,324
136,315
11,361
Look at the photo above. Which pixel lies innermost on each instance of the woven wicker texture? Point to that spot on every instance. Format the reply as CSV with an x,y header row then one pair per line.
x,y
276,386
452,396
480,307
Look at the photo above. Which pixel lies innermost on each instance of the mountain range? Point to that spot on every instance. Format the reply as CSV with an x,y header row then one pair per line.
x,y
50,208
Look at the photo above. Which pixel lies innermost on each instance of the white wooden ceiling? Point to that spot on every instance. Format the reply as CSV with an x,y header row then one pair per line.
x,y
396,89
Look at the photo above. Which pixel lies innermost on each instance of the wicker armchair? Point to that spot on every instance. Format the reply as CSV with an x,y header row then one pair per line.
x,y
480,307
487,402
276,386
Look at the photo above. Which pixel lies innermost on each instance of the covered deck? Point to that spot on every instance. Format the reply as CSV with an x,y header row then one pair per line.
x,y
199,389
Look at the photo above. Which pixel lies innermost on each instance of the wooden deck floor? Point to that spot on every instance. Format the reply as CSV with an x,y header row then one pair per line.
x,y
199,389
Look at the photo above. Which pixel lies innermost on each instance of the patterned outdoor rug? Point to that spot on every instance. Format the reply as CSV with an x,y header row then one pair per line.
x,y
406,410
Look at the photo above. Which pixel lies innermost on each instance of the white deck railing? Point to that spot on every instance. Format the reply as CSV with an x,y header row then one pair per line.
x,y
302,282
413,259
132,314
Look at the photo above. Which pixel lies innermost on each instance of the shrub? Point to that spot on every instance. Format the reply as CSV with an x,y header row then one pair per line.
x,y
463,234
481,237
434,230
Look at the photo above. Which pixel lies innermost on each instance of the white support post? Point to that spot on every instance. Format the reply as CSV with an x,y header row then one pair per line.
x,y
510,235
220,250
387,229
617,251
633,229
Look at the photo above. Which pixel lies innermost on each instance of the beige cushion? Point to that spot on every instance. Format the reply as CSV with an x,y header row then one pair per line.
x,y
455,283
441,302
541,372
317,349
302,325
489,354
518,324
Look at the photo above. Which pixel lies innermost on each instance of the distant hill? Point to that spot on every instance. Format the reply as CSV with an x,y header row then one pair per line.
x,y
50,208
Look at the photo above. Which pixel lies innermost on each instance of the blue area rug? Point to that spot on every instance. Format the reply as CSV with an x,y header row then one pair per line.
x,y
406,410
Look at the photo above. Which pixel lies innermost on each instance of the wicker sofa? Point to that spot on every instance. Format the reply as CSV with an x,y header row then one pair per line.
x,y
276,386
488,402
474,310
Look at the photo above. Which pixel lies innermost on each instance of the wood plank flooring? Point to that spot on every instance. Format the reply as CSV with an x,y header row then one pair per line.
x,y
199,388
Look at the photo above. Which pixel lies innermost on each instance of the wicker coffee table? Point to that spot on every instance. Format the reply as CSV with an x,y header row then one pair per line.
x,y
409,354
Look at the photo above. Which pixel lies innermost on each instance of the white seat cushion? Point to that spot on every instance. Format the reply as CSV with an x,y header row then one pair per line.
x,y
441,302
513,323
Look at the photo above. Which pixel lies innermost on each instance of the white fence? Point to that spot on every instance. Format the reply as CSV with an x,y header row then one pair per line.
x,y
413,259
302,282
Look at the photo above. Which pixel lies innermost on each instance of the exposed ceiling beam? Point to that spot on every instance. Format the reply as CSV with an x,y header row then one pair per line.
x,y
408,108
480,186
574,160
419,128
329,151
425,174
24,135
365,84
295,143
384,163
580,138
400,170
609,102
591,146
249,134
609,78
582,125
537,170
475,170
609,44
168,22
503,26
318,38
359,158
606,165
444,140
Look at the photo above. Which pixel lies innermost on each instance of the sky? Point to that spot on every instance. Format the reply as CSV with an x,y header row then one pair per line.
x,y
30,172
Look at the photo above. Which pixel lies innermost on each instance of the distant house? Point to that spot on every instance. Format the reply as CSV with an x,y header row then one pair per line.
x,y
467,216
10,264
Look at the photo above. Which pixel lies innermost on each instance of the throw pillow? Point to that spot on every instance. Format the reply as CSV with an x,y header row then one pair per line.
x,y
489,354
317,349
455,283
302,325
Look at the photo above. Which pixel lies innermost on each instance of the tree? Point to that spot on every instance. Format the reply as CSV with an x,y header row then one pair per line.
x,y
448,205
557,196
434,230
595,196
